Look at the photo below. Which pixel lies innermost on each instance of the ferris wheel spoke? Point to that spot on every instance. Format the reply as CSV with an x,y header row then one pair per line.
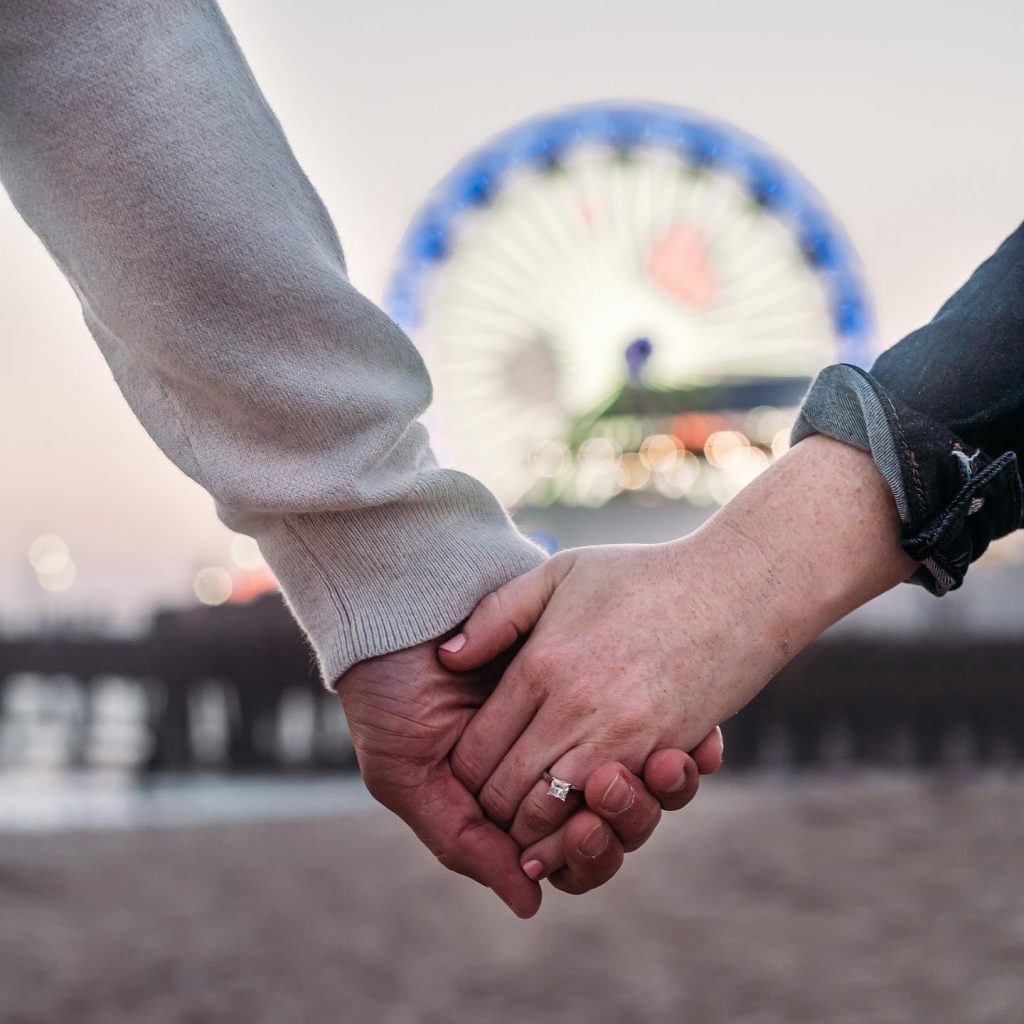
x,y
497,262
558,265
762,277
559,216
765,248
742,241
668,188
770,322
541,207
560,296
501,294
755,300
775,296
719,205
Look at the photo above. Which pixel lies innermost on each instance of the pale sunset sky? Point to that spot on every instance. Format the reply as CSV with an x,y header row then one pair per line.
x,y
904,114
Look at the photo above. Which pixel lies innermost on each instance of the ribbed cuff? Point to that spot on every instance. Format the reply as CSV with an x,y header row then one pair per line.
x,y
953,499
376,579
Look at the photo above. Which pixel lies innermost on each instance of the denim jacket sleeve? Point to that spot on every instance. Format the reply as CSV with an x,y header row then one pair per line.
x,y
942,415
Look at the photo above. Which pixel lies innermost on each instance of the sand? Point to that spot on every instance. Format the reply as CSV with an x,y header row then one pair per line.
x,y
857,900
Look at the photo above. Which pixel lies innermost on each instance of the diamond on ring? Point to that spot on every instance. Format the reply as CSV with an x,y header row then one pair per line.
x,y
559,788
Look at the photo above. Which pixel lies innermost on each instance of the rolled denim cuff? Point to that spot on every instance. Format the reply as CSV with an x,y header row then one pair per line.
x,y
952,498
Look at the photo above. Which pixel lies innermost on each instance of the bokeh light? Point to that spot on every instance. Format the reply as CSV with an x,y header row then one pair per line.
x,y
780,442
659,452
551,459
680,477
246,554
598,453
721,443
765,421
61,581
213,585
742,465
50,557
633,473
49,554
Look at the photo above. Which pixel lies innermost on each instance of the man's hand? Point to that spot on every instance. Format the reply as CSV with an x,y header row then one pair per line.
x,y
406,712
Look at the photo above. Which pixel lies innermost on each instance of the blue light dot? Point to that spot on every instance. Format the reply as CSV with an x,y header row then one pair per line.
x,y
545,540
547,148
704,146
626,130
821,249
850,316
479,187
432,242
767,186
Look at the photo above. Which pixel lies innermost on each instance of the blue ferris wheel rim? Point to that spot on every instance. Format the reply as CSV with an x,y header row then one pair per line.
x,y
702,141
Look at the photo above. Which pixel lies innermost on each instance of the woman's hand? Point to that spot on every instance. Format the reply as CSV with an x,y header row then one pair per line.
x,y
635,648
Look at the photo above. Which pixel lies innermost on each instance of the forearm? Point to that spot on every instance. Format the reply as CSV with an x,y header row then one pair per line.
x,y
814,537
135,142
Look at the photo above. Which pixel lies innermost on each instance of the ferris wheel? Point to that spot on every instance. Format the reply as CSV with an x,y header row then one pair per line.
x,y
624,298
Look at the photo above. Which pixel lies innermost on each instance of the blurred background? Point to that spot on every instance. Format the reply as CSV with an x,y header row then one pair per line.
x,y
625,238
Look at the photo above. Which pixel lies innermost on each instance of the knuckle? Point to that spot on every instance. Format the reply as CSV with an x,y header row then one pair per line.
x,y
536,819
631,721
537,663
606,748
498,803
467,767
453,852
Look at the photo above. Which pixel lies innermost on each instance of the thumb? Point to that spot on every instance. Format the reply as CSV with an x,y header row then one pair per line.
x,y
502,617
710,752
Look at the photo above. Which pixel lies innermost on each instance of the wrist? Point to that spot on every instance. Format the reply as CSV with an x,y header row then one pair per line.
x,y
822,529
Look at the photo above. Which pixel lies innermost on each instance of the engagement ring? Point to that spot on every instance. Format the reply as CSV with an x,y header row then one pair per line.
x,y
559,788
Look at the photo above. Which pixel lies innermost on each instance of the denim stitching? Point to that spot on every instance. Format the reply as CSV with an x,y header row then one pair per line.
x,y
911,458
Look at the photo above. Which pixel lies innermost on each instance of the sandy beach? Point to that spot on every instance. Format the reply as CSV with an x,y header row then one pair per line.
x,y
799,900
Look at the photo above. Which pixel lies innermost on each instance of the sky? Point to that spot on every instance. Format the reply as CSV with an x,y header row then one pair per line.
x,y
905,115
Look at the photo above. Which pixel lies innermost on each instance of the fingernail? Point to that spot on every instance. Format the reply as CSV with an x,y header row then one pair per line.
x,y
595,842
455,644
679,785
534,870
618,796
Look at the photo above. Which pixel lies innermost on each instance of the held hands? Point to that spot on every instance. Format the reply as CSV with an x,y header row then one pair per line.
x,y
635,648
406,712
632,651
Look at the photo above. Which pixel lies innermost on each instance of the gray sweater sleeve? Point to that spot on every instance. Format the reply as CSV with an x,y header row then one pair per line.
x,y
136,144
